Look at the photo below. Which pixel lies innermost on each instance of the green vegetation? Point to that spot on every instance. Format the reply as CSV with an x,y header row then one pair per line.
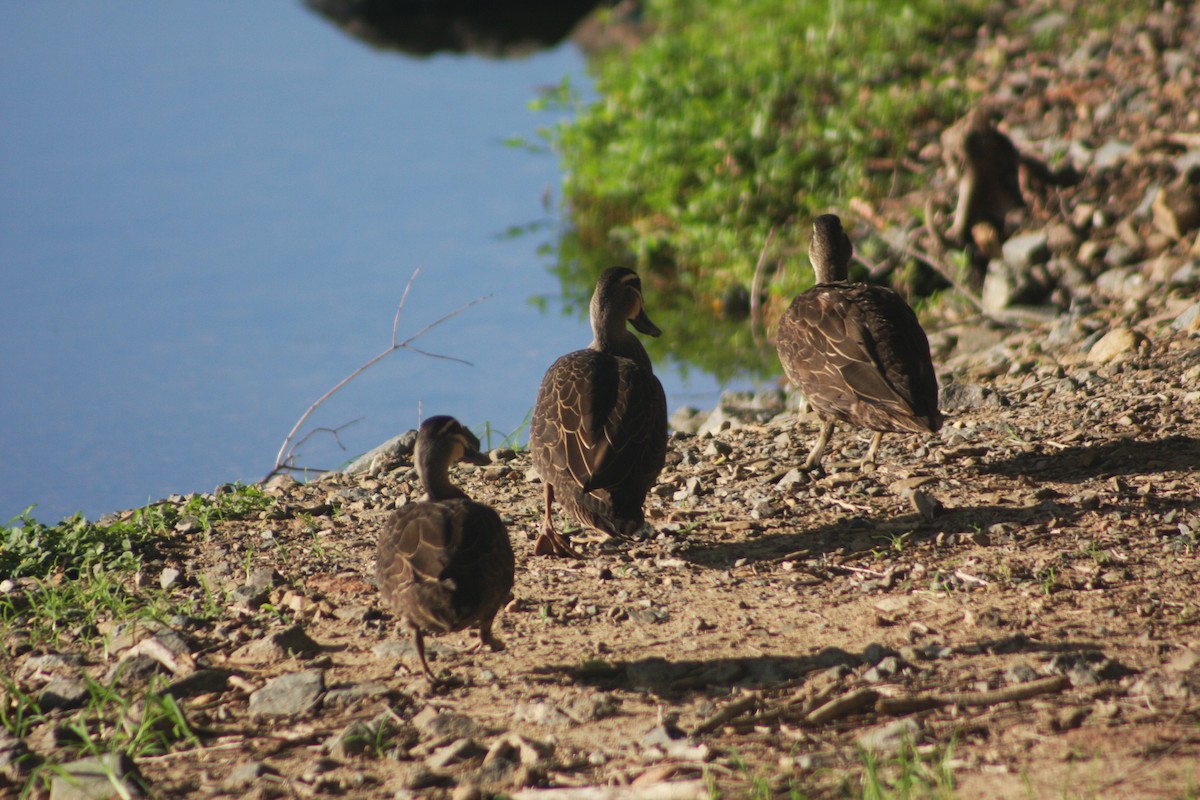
x,y
908,775
735,119
76,547
77,578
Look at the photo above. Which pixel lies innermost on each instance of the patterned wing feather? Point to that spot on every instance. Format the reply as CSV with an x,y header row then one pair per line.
x,y
859,354
444,565
598,436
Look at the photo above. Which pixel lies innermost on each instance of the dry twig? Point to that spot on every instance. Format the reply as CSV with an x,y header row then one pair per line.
x,y
287,451
1008,694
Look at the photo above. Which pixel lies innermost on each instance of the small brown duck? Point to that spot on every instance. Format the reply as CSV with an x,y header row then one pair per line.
x,y
856,350
599,430
445,564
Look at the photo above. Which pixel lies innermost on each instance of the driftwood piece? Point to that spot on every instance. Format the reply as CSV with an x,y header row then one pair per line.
x,y
921,702
841,706
727,714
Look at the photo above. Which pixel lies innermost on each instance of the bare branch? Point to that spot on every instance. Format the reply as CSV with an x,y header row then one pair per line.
x,y
756,287
403,299
287,449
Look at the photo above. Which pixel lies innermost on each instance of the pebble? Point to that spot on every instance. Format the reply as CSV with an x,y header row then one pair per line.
x,y
435,724
890,737
457,752
289,694
291,641
543,713
1020,673
246,774
111,775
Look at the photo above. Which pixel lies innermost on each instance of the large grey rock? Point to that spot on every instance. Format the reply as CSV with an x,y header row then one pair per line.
x,y
289,694
390,454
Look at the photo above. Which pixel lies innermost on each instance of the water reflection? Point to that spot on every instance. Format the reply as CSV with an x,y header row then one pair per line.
x,y
493,28
716,341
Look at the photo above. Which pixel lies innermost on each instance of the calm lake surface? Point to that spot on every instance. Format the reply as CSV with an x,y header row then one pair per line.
x,y
208,214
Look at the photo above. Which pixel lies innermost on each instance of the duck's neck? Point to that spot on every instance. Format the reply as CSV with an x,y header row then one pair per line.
x,y
436,480
618,340
829,271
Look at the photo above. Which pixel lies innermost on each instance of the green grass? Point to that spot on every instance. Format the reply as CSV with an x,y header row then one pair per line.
x,y
77,579
907,775
76,546
736,118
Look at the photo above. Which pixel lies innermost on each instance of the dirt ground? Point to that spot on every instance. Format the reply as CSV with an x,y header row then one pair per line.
x,y
1021,588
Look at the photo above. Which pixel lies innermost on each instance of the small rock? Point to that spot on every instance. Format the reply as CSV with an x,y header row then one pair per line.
x,y
1027,250
890,737
246,774
16,759
1020,673
134,669
110,775
527,752
457,752
926,505
289,694
955,396
542,713
63,693
1177,211
1189,320
291,641
422,777
1184,661
40,668
1111,154
1116,345
874,653
1068,719
348,695
687,419
790,479
435,724
168,578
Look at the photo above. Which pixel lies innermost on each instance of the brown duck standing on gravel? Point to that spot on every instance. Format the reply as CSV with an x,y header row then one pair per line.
x,y
599,431
856,350
445,564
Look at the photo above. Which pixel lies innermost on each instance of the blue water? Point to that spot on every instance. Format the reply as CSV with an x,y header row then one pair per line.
x,y
208,214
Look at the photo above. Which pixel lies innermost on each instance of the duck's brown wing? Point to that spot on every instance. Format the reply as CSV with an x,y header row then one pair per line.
x,y
598,435
860,355
444,565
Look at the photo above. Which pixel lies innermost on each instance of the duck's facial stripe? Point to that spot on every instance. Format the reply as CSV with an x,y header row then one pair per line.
x,y
448,428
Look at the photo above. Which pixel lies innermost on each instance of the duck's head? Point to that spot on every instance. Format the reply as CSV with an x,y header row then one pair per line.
x,y
441,441
830,249
618,297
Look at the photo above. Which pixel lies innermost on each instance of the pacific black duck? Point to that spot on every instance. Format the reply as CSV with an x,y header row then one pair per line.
x,y
856,350
599,430
445,564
